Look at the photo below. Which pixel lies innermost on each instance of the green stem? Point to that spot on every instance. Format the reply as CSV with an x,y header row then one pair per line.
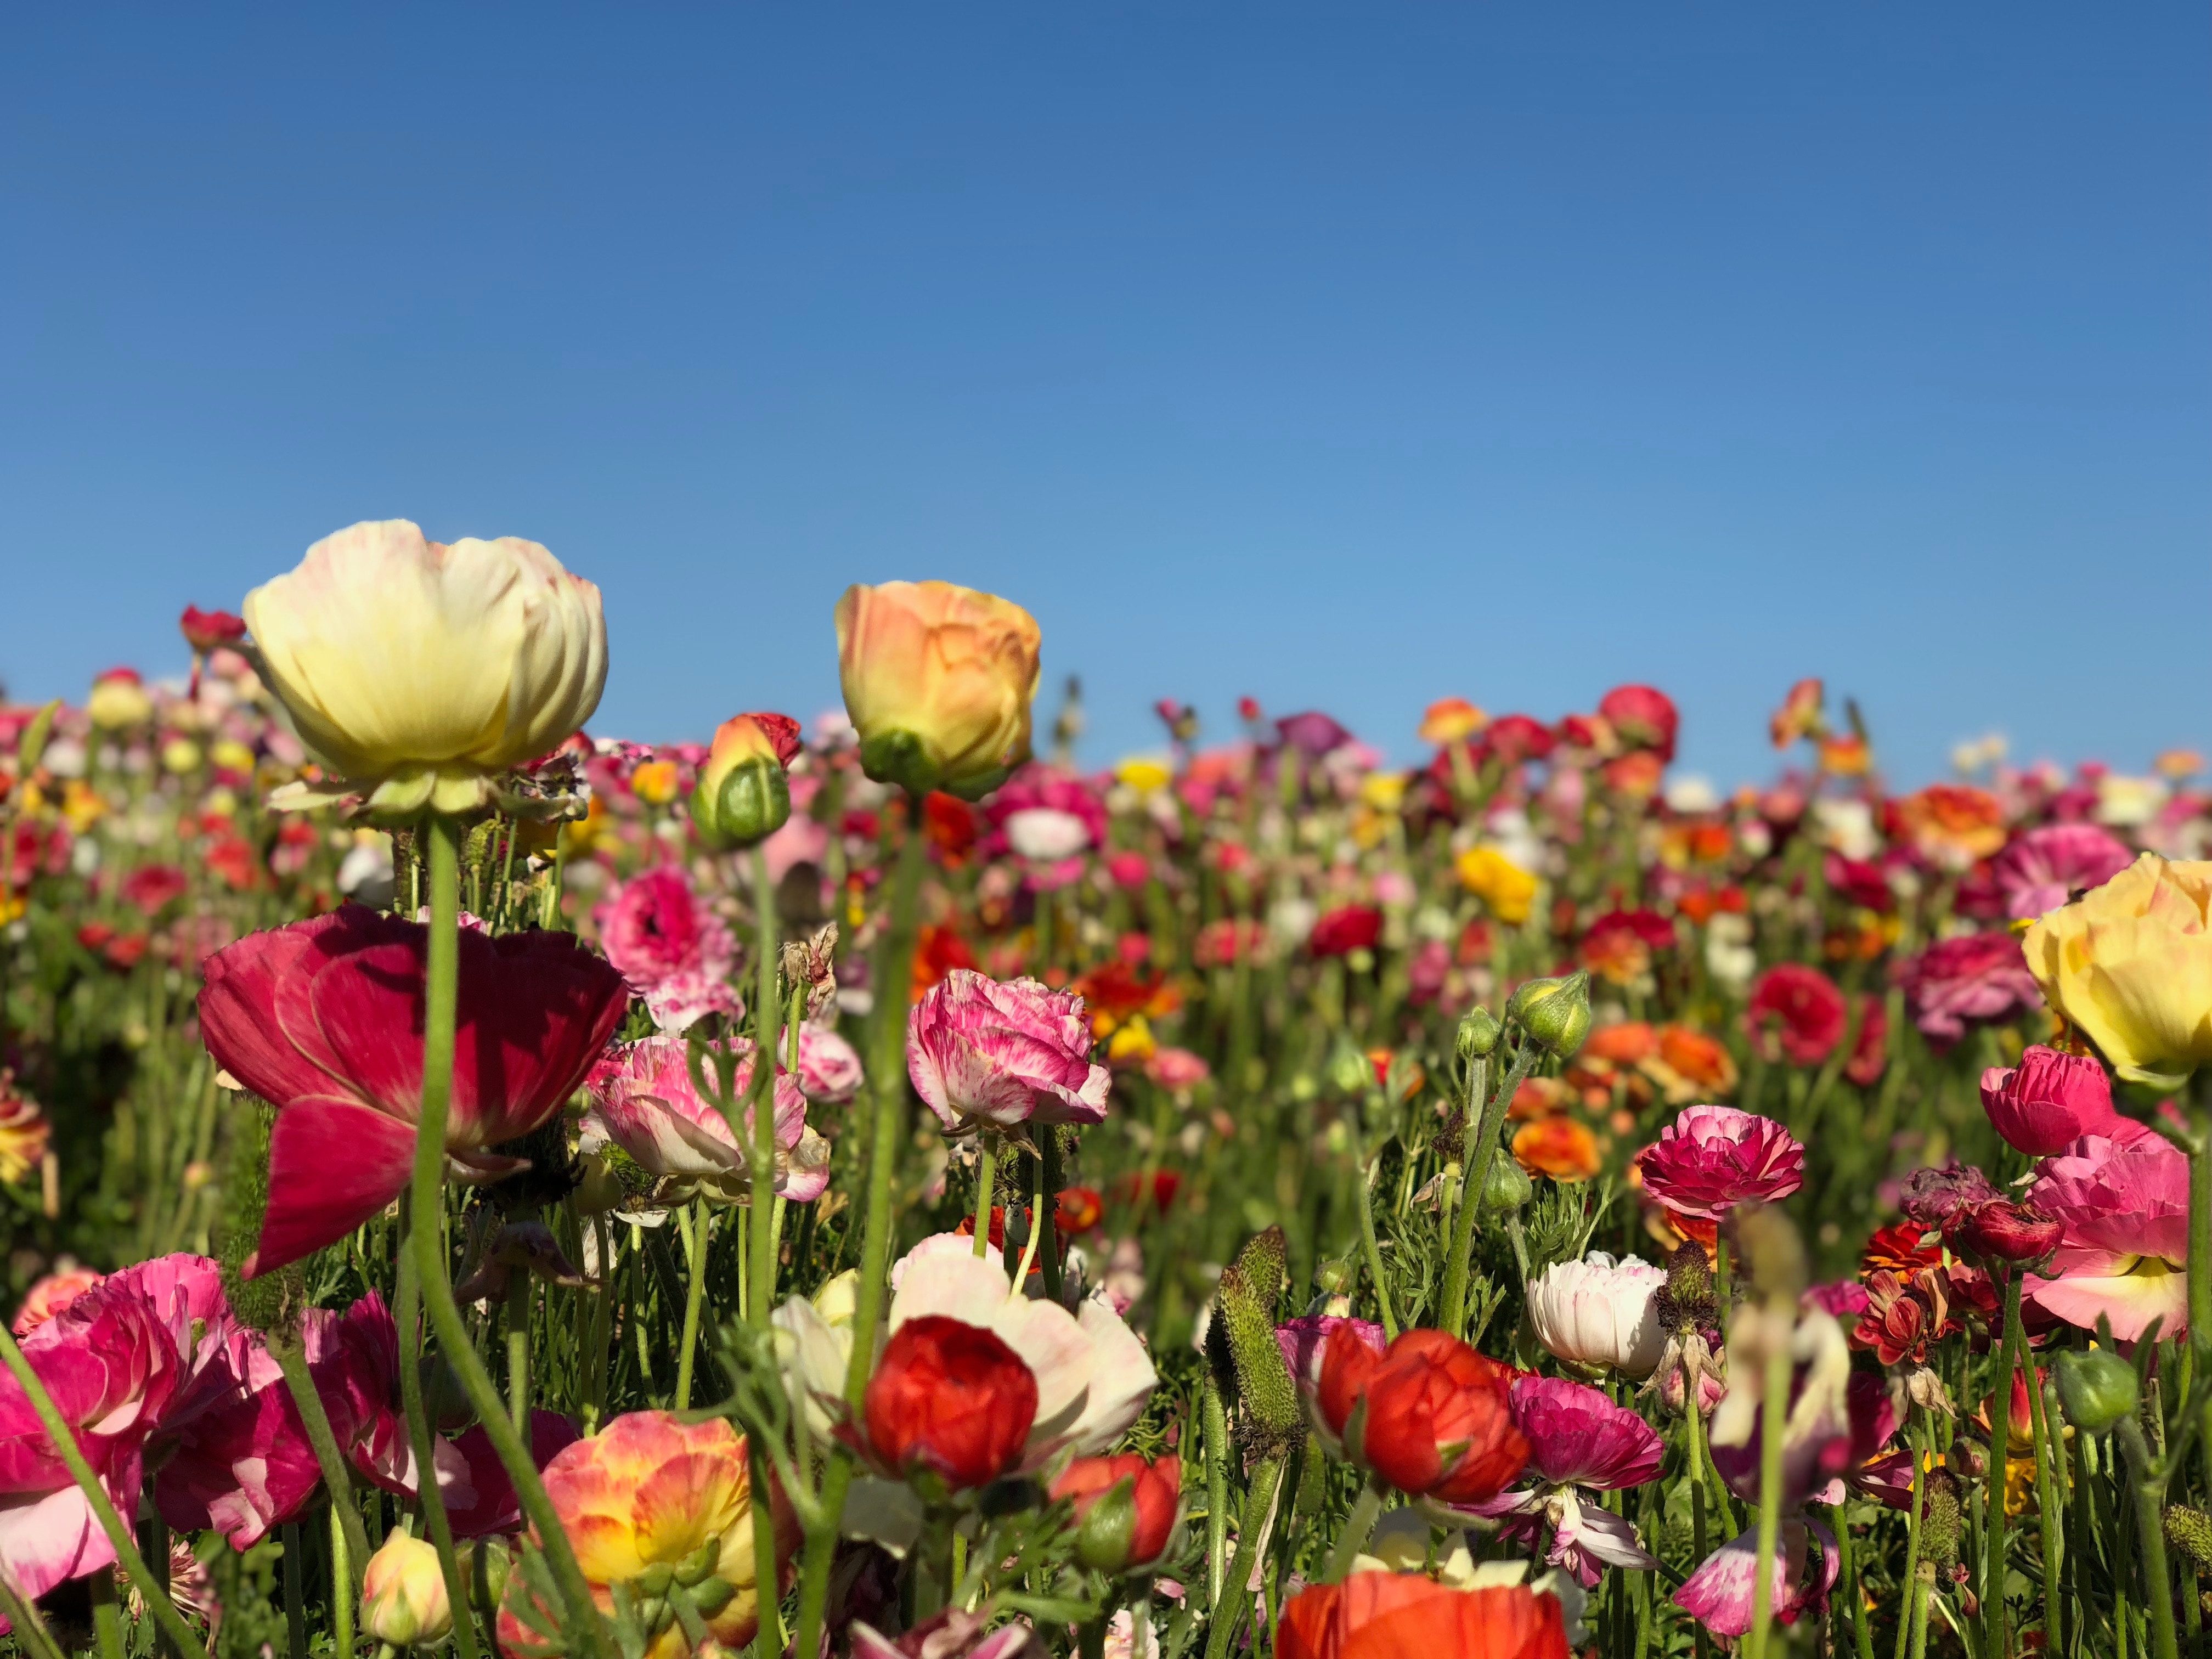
x,y
1862,1629
1478,1175
295,1595
126,1550
1259,1500
888,1083
1047,1218
107,1618
1217,1495
440,990
2200,1256
1458,1258
1912,1439
2047,1507
518,1351
1359,1526
1365,1207
686,1348
406,1312
2148,1485
343,1556
1995,1639
29,1624
1916,1620
987,1187
1774,1414
767,1025
292,1358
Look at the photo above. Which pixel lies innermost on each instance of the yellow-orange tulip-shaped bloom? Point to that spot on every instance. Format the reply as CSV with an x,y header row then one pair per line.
x,y
416,671
937,681
2130,964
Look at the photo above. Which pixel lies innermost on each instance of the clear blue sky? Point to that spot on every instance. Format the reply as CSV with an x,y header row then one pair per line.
x,y
1346,354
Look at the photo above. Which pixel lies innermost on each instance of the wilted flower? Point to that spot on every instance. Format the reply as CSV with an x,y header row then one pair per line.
x,y
937,681
2130,963
986,1053
1712,1159
418,672
669,946
1598,1312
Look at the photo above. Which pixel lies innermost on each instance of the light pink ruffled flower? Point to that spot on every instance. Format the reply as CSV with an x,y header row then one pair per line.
x,y
1578,1440
2041,869
1711,1159
829,1070
672,949
1719,1594
2123,1210
643,1100
999,1053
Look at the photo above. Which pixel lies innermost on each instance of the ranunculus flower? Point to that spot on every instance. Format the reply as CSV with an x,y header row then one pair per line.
x,y
2051,1100
1504,885
1711,1159
1342,931
323,1019
1720,1593
2013,1233
402,1594
1598,1312
937,681
417,672
51,1294
1643,716
642,1100
1578,1441
954,1633
1451,719
647,1493
1156,1491
1304,1340
1795,1013
1431,1415
204,630
1389,1615
2130,963
997,1053
667,943
2122,1211
951,1398
1563,1148
2042,868
830,1071
1973,976
743,795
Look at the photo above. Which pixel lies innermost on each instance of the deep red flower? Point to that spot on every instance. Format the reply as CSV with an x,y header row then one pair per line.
x,y
1390,1615
2014,1233
1351,927
1795,1013
1643,717
324,1020
1156,1488
1430,1415
950,1397
151,886
204,630
1515,737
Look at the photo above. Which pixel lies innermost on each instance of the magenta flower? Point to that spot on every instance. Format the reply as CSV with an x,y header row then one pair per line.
x,y
2042,869
2123,1211
1712,1159
1045,814
491,1506
1719,1594
324,1020
1578,1440
1303,1338
987,1052
669,946
2051,1100
643,1100
1973,976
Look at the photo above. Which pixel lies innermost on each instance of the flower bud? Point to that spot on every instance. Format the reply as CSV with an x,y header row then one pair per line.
x,y
402,1594
1244,1315
2014,1233
742,796
1479,1031
1940,1517
1506,1188
1125,1508
2099,1389
1555,1012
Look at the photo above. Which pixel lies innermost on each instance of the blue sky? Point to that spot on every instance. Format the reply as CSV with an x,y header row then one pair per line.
x,y
1346,356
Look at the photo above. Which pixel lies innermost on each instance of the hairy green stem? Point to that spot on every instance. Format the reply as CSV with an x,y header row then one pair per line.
x,y
518,1351
987,1187
1047,1218
1995,1639
2147,1484
343,1557
406,1312
2047,1507
1363,1207
1458,1257
337,1478
107,1617
1854,1598
1217,1494
1259,1502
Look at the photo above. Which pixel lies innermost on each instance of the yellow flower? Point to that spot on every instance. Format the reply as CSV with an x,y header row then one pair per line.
x,y
2130,964
119,701
1383,791
232,755
180,755
938,682
1504,885
23,1132
402,1594
654,782
417,672
82,805
1144,773
1132,1044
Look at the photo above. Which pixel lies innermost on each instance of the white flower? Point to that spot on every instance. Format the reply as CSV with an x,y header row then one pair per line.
x,y
2127,803
1847,827
1046,833
1598,1312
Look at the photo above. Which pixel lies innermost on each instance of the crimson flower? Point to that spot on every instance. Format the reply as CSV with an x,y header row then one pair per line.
x,y
204,630
323,1019
2051,1100
1795,1013
1342,931
1643,716
1711,1159
1978,976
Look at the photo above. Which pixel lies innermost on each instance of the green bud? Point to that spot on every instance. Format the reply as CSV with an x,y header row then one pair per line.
x,y
742,804
2098,1388
700,1564
1479,1031
2190,1531
712,1596
1940,1518
1506,1188
1554,1012
1350,1073
655,1579
1244,1321
1110,1531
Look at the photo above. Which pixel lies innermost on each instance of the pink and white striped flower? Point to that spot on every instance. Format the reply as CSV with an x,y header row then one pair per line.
x,y
996,1055
644,1100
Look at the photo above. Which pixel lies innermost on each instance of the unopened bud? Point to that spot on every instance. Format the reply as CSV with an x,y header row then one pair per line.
x,y
1479,1031
1940,1518
402,1594
1109,1529
1506,1188
1554,1012
2098,1388
742,796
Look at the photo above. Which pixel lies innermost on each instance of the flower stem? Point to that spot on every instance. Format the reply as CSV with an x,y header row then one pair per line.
x,y
987,1183
1854,1597
518,1351
687,1348
292,1358
1217,1495
2200,1255
1457,1259
768,1639
1370,1251
1915,1619
295,1596
406,1312
343,1557
2148,1485
126,1551
1773,1415
1996,1640
888,1083
1359,1526
107,1618
1047,1218
1912,1439
1259,1502
1478,1179
441,987
2047,1505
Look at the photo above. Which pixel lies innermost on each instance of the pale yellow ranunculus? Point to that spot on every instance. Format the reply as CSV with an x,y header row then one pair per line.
x,y
2130,963
937,681
417,672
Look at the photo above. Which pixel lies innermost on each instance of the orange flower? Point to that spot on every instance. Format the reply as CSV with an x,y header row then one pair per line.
x,y
1799,715
653,781
1386,1615
936,951
1699,1062
1451,719
1846,757
1559,1147
1624,1044
937,681
1540,1097
1953,824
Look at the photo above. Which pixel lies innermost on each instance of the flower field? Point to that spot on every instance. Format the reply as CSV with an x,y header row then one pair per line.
x,y
478,1183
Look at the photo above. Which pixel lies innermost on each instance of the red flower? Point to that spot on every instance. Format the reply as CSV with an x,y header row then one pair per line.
x,y
950,1397
2014,1233
324,1020
1901,1318
204,630
151,886
1430,1415
1388,1615
1078,1210
1353,927
938,952
1515,737
1797,1009
1642,716
1870,1054
1898,1249
1711,1159
1156,1488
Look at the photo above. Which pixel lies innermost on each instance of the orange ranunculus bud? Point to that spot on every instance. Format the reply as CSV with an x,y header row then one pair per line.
x,y
1384,1615
2130,963
402,1594
742,796
937,681
1125,1508
1431,1415
952,1398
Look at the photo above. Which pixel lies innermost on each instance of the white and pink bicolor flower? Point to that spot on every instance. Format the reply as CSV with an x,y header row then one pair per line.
x,y
645,1101
996,1055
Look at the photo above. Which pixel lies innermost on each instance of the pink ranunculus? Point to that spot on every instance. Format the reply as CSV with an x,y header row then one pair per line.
x,y
1303,1338
2043,868
665,940
1578,1440
830,1071
1795,1013
2051,1100
986,1052
1130,871
1719,1594
323,1019
2122,1211
50,1295
643,1099
1643,716
1711,1159
1973,976
111,1368
492,1507
1177,1069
